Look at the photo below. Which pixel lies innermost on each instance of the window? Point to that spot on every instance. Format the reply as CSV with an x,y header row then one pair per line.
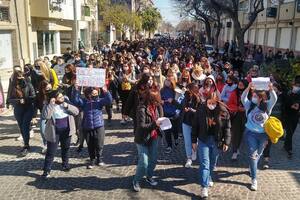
x,y
4,14
46,43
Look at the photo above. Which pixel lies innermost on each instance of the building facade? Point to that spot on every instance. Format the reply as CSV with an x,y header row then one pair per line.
x,y
277,27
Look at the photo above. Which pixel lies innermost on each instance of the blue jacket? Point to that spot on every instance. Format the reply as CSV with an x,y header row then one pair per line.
x,y
92,110
169,108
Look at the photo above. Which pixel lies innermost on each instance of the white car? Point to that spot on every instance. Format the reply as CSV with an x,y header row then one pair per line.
x,y
209,48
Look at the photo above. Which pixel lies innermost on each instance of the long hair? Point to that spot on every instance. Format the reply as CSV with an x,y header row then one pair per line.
x,y
44,69
264,97
151,96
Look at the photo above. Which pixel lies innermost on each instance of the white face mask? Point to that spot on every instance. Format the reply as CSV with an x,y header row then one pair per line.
x,y
254,100
212,107
156,74
296,89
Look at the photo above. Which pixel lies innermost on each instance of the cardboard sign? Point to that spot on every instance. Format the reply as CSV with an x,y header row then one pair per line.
x,y
90,77
261,83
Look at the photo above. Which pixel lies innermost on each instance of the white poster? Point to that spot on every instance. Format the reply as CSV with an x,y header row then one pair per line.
x,y
90,77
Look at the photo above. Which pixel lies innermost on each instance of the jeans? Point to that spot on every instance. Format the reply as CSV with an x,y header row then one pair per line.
x,y
267,149
173,131
79,131
208,153
95,143
187,134
65,141
23,115
42,131
147,156
256,143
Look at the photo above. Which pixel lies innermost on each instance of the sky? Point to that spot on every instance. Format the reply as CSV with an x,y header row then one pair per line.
x,y
168,11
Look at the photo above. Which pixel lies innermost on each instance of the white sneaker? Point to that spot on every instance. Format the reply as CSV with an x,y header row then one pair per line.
x,y
19,138
188,163
194,155
204,192
31,133
211,184
234,156
254,185
123,122
44,149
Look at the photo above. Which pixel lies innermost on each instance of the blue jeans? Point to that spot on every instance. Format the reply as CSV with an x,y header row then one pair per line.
x,y
187,134
256,143
23,115
208,153
147,156
42,131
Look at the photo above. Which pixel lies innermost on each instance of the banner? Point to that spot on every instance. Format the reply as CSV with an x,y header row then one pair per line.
x,y
261,83
90,77
2,103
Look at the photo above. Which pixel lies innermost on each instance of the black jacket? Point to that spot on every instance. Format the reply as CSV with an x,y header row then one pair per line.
x,y
132,103
200,127
188,102
145,124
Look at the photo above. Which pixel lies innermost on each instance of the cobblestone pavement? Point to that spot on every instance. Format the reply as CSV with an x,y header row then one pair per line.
x,y
20,177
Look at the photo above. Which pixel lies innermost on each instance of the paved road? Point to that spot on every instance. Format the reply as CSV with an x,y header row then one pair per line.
x,y
19,177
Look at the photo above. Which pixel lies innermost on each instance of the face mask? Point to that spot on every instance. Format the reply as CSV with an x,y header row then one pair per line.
x,y
254,100
229,84
58,102
150,82
156,74
125,68
21,82
212,107
146,71
296,89
94,98
167,84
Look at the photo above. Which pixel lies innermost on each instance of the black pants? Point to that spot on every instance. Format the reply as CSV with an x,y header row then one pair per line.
x,y
267,149
173,131
108,110
291,125
238,127
79,132
64,139
95,143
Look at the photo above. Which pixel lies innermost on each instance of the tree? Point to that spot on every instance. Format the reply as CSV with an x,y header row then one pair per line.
x,y
206,12
231,8
166,27
151,17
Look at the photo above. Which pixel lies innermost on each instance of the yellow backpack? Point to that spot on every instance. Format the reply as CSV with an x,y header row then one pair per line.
x,y
273,128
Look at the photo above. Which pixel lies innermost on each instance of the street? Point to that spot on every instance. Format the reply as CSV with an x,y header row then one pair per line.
x,y
20,177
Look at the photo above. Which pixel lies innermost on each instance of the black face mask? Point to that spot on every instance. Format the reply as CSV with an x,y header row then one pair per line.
x,y
58,102
229,84
21,83
94,98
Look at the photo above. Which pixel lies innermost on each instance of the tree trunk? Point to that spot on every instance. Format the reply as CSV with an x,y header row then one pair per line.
x,y
208,32
217,34
239,34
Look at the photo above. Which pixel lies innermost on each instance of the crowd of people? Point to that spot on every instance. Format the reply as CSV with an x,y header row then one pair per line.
x,y
209,99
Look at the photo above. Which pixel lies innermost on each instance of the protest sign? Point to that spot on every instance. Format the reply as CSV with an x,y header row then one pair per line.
x,y
261,83
90,77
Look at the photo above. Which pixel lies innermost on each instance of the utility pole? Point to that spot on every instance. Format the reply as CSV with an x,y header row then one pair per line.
x,y
75,41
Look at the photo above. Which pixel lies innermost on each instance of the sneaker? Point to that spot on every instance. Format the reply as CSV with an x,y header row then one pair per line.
x,y
211,184
46,175
254,185
151,181
19,138
101,164
31,133
290,154
188,163
79,149
90,165
168,150
234,156
44,149
136,186
266,164
204,192
66,168
194,155
24,151
123,122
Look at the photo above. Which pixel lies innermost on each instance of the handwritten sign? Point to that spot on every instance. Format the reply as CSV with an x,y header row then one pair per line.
x,y
90,77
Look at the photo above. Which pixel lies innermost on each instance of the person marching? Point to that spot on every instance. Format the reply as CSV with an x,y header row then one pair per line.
x,y
258,110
